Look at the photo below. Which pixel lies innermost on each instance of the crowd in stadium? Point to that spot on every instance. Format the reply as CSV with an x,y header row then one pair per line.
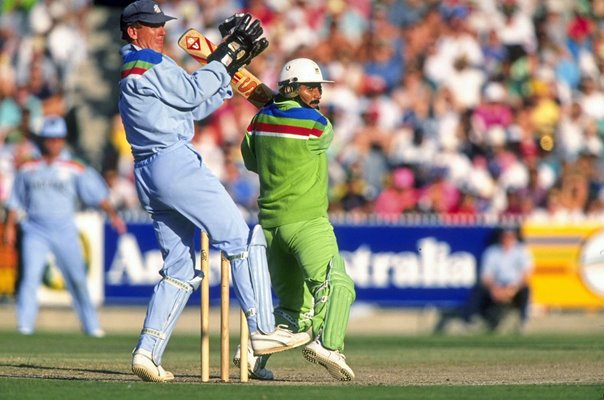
x,y
458,107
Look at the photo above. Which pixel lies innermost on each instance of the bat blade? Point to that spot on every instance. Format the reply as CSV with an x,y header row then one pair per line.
x,y
243,82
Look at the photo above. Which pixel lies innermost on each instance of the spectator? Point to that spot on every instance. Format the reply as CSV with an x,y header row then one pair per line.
x,y
553,211
591,98
439,195
546,57
505,270
493,111
516,30
495,54
465,82
354,199
399,195
467,205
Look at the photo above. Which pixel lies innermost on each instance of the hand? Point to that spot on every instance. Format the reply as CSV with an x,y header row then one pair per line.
x,y
246,30
259,46
118,224
502,294
226,27
10,234
241,46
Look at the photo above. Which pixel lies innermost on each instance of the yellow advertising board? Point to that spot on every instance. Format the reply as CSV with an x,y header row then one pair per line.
x,y
8,267
569,264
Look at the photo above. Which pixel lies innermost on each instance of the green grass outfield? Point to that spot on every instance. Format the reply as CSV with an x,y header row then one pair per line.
x,y
72,366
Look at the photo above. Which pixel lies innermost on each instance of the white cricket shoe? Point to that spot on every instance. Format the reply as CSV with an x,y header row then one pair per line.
x,y
97,333
144,367
280,339
26,331
332,360
255,365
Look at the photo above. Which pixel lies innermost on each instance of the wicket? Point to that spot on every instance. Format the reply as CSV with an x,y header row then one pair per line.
x,y
224,319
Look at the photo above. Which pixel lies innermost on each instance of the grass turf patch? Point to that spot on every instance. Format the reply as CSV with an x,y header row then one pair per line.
x,y
68,365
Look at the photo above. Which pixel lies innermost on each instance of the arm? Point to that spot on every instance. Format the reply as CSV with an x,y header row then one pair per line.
x,y
116,221
13,206
487,279
499,294
527,270
320,144
505,292
10,228
93,191
164,80
206,87
247,149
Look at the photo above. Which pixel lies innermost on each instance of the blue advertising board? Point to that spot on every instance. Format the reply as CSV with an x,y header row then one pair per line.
x,y
391,265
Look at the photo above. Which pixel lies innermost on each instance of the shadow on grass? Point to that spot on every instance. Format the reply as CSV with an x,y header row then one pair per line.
x,y
27,372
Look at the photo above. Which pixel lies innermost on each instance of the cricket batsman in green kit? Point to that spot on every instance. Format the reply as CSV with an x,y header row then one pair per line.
x,y
286,144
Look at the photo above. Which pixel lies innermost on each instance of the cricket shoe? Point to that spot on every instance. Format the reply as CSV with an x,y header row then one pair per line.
x,y
26,331
332,360
144,367
280,339
97,333
255,365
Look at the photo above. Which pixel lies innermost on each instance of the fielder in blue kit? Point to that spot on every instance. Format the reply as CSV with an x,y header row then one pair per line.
x,y
48,190
159,102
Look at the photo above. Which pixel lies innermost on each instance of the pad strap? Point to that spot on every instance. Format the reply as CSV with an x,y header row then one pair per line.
x,y
153,332
240,256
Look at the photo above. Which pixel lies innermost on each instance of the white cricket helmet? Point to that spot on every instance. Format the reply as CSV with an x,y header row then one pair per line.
x,y
301,70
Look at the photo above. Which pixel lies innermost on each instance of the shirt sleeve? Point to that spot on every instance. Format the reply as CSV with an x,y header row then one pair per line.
x,y
17,195
91,187
488,264
247,149
212,104
320,144
200,92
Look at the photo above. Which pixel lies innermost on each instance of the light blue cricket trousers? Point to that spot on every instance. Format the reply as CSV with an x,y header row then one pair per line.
x,y
182,194
62,239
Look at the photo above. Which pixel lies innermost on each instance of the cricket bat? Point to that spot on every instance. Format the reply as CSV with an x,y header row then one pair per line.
x,y
244,82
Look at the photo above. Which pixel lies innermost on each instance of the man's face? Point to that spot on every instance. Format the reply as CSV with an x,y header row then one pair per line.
x,y
310,94
148,36
508,239
54,146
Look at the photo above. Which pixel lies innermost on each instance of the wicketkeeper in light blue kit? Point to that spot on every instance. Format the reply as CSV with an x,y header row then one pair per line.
x,y
286,144
158,103
48,190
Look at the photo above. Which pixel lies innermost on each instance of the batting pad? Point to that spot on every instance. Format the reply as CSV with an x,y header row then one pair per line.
x,y
168,301
340,297
261,280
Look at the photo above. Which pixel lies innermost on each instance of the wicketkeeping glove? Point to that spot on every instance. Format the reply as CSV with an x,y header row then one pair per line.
x,y
226,27
241,46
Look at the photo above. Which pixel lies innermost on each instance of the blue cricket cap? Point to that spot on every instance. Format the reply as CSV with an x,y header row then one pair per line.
x,y
146,11
53,126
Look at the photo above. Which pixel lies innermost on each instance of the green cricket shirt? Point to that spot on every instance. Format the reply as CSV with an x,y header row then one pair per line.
x,y
285,144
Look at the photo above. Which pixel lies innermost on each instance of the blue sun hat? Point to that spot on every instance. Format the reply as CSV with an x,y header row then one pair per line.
x,y
146,11
53,126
